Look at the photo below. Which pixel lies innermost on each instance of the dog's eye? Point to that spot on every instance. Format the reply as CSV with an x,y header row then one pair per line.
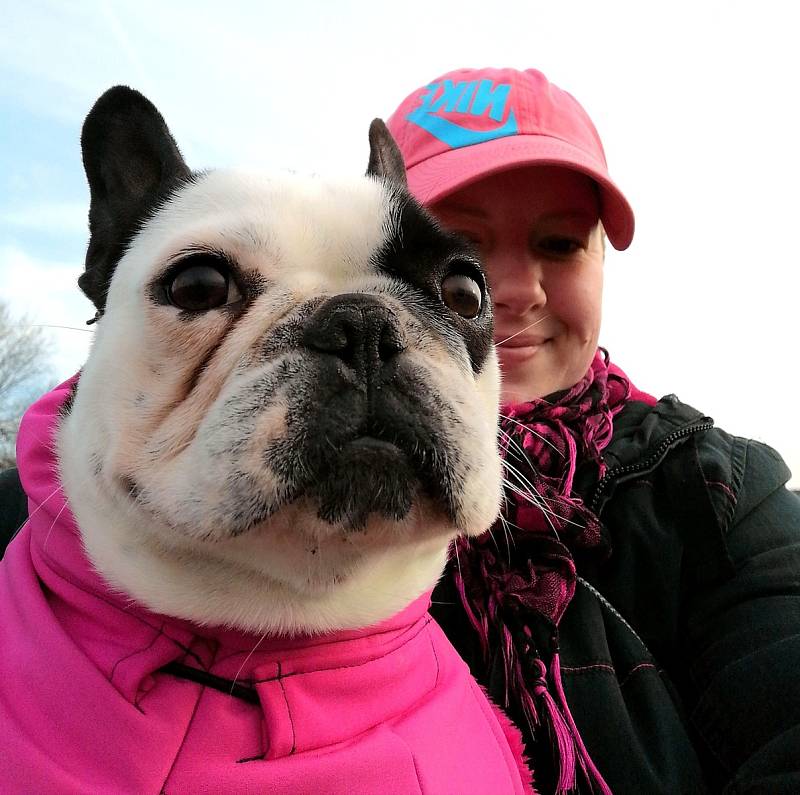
x,y
462,294
203,284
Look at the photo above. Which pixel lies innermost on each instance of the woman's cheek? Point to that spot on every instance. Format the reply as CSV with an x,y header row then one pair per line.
x,y
579,305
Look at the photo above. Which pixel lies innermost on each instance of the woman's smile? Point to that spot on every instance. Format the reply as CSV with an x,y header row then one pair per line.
x,y
513,349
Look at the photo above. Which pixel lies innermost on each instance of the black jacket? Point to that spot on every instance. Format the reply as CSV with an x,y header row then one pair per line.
x,y
13,506
680,653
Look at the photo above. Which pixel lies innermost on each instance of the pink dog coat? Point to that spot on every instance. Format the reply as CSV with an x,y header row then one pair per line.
x,y
84,707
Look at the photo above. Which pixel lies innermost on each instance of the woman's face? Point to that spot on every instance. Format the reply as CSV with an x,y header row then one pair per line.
x,y
540,237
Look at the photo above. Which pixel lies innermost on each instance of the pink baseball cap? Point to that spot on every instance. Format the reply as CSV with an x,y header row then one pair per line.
x,y
472,123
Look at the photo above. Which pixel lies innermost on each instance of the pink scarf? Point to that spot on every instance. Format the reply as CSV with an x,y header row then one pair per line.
x,y
506,587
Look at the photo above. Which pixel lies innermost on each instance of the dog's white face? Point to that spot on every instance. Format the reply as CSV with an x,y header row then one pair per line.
x,y
290,407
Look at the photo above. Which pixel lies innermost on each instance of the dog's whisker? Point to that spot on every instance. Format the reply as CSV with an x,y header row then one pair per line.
x,y
67,328
531,431
53,524
536,499
525,485
522,331
458,562
494,540
532,497
511,444
509,537
511,524
41,505
246,660
541,503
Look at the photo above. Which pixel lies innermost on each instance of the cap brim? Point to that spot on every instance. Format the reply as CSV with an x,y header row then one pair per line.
x,y
434,178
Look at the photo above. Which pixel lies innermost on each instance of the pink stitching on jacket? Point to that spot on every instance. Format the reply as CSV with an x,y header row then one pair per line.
x,y
593,666
634,670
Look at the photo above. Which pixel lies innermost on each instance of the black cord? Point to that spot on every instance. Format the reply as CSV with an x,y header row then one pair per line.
x,y
227,686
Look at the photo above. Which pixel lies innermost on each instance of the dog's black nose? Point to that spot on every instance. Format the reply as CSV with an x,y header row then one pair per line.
x,y
358,329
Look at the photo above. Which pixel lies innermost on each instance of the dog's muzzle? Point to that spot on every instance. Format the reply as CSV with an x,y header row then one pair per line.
x,y
365,435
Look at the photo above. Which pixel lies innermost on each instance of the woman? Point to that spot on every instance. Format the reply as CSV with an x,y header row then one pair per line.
x,y
637,609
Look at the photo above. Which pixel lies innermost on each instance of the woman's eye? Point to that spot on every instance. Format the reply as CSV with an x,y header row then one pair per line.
x,y
203,284
473,237
463,295
561,246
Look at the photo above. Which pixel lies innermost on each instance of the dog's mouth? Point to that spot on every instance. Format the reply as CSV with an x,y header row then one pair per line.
x,y
378,457
371,445
367,475
376,474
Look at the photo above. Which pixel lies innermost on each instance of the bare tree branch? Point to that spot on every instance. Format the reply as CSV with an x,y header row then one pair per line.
x,y
24,375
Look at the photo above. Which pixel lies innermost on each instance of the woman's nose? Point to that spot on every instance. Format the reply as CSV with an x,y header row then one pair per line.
x,y
517,284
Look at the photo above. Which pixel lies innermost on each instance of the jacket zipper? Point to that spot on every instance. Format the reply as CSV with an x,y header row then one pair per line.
x,y
629,469
651,461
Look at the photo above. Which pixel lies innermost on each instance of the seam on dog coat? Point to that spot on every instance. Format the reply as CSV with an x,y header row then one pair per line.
x,y
84,707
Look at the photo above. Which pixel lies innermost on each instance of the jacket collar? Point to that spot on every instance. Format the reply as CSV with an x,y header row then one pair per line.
x,y
644,433
640,429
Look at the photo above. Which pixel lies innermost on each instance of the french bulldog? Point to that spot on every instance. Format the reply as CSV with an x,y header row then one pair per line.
x,y
288,413
290,407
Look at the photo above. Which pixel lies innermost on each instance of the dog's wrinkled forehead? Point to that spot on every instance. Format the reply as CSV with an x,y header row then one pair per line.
x,y
287,227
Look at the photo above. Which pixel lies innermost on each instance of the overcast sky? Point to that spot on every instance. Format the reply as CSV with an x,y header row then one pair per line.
x,y
696,102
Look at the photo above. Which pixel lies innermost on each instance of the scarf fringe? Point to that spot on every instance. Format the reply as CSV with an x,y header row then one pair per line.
x,y
542,710
559,730
592,774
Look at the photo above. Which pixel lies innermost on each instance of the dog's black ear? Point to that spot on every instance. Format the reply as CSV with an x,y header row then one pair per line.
x,y
385,159
132,164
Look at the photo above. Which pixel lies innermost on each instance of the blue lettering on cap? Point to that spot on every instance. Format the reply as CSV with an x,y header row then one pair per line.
x,y
464,97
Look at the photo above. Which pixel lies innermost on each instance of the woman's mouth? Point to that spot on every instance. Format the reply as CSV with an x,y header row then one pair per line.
x,y
520,348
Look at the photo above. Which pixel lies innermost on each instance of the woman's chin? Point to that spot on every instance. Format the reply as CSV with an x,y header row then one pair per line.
x,y
525,380
520,391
